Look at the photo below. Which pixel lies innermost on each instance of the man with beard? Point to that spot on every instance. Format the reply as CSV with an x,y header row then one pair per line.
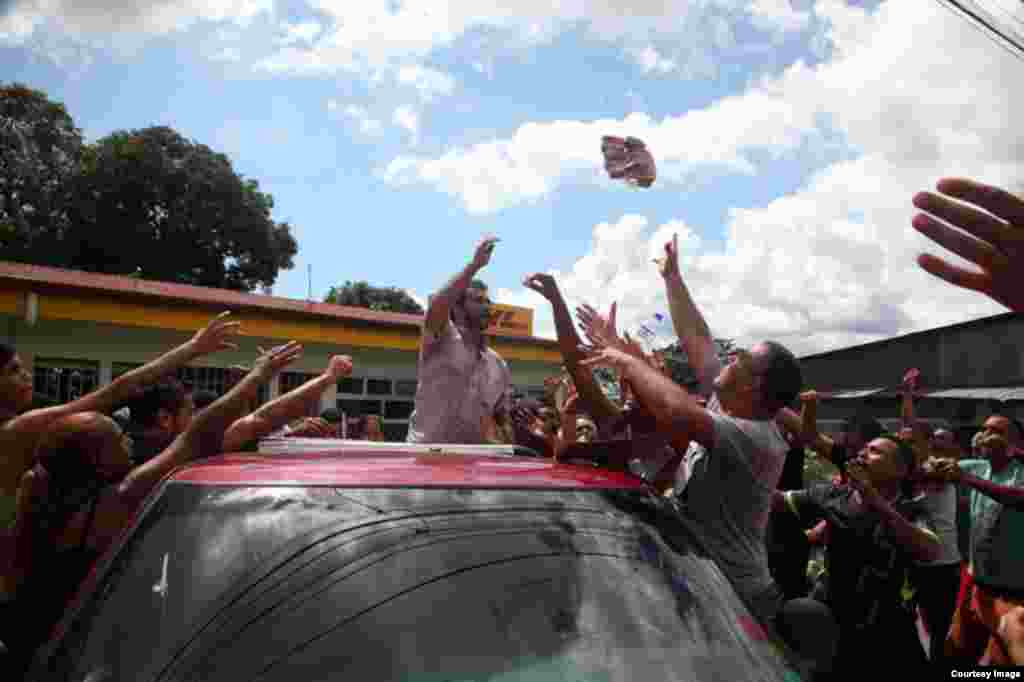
x,y
464,386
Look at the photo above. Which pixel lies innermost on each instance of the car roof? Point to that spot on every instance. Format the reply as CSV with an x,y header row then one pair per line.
x,y
359,464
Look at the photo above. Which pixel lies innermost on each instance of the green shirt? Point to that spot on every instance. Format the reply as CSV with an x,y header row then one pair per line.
x,y
996,546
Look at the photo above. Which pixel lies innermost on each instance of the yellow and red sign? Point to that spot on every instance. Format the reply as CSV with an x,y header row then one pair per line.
x,y
510,320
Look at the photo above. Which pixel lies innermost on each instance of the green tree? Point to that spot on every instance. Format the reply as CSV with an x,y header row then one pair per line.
x,y
385,299
40,150
679,365
153,203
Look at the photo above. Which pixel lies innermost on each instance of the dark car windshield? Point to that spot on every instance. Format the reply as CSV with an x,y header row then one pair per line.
x,y
318,583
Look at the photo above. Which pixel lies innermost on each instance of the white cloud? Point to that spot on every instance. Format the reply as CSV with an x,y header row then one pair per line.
x,y
539,157
650,60
778,15
372,35
407,119
427,81
832,263
304,32
85,18
364,122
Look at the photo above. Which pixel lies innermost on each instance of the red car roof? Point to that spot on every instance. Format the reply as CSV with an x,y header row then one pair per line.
x,y
400,469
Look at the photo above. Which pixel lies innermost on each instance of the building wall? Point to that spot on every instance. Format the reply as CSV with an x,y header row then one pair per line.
x,y
988,352
982,353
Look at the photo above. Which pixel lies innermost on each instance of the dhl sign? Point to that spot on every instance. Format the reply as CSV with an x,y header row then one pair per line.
x,y
510,320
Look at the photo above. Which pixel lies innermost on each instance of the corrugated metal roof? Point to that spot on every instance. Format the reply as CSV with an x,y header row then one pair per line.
x,y
998,393
859,393
1002,394
74,279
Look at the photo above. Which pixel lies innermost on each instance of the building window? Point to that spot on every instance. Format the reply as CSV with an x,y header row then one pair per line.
x,y
398,409
405,387
215,379
290,381
119,368
63,380
351,385
395,431
378,387
537,392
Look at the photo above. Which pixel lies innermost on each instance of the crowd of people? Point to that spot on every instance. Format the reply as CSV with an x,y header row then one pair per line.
x,y
905,510
920,565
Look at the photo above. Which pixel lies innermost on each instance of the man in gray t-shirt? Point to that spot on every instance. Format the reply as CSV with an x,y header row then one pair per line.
x,y
725,480
727,490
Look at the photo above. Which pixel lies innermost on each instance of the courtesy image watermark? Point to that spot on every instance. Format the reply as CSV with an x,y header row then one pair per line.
x,y
986,674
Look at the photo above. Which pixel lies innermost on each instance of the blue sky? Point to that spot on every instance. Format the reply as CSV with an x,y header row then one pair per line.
x,y
790,137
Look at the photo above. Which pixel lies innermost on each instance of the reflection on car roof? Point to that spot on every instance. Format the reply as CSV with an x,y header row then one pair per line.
x,y
361,464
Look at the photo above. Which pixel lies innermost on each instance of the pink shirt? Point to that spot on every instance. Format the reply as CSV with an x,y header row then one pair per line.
x,y
458,385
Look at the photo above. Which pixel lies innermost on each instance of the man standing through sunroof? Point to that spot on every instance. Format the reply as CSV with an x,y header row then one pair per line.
x,y
464,386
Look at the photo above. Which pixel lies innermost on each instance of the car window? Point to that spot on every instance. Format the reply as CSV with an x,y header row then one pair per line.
x,y
293,583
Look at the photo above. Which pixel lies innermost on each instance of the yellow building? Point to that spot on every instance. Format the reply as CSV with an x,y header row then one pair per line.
x,y
77,330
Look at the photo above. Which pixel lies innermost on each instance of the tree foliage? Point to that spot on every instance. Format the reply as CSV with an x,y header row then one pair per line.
x,y
385,299
145,202
679,364
40,150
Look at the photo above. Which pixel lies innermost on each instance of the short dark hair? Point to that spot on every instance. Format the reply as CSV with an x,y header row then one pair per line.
x,y
6,353
904,449
331,415
866,427
168,394
783,378
203,398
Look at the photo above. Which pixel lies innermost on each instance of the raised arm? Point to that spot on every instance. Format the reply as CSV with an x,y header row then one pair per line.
x,y
596,402
689,324
817,441
441,302
907,388
205,434
285,408
949,470
675,411
210,339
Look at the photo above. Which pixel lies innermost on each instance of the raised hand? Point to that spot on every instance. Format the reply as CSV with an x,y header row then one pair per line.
x,y
339,366
809,397
910,379
214,336
943,470
668,265
606,357
312,427
1011,632
272,361
630,346
543,284
859,478
482,255
994,241
599,331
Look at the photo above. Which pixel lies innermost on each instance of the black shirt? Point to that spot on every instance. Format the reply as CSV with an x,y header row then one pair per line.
x,y
866,568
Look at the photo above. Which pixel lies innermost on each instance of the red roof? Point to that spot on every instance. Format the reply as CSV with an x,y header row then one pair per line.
x,y
59,278
400,469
